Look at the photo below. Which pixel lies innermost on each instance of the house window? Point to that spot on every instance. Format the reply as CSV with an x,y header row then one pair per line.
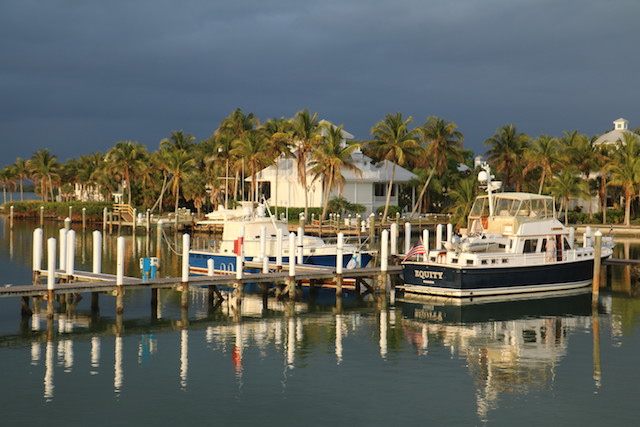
x,y
380,189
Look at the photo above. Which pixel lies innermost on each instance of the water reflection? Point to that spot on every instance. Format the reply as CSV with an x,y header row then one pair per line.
x,y
509,346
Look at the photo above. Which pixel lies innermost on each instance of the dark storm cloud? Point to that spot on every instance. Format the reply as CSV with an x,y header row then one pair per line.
x,y
77,76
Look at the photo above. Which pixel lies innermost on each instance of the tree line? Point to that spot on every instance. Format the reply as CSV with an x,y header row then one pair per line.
x,y
210,172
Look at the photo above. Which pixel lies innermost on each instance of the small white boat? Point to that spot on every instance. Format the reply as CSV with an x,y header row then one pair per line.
x,y
514,244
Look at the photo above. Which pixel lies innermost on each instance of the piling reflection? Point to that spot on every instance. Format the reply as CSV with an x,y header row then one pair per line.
x,y
508,347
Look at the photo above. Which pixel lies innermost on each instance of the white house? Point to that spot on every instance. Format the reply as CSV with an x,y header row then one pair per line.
x,y
620,127
368,189
613,137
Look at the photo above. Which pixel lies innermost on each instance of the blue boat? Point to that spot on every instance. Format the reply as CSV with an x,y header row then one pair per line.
x,y
246,232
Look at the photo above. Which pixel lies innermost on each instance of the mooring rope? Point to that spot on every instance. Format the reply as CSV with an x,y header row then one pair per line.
x,y
169,244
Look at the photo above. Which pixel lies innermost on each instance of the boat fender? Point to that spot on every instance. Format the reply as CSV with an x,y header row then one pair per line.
x,y
352,263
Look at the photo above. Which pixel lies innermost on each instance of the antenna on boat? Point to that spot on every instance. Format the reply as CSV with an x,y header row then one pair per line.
x,y
484,176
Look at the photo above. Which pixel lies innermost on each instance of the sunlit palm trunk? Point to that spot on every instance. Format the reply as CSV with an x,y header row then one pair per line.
x,y
419,199
51,188
177,195
327,190
544,174
627,207
386,205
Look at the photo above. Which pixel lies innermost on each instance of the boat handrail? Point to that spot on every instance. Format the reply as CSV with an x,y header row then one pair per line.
x,y
266,205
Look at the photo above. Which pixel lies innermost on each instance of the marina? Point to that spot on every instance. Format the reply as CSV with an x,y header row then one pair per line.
x,y
238,352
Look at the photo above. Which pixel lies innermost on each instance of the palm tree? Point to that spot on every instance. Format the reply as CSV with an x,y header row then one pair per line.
x,y
463,196
394,142
543,155
625,170
5,178
328,161
568,185
223,146
279,133
307,136
444,142
178,163
21,168
253,148
578,150
234,128
178,140
506,153
43,167
124,158
195,189
603,155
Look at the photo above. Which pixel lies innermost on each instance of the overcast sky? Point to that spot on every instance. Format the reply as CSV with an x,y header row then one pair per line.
x,y
76,76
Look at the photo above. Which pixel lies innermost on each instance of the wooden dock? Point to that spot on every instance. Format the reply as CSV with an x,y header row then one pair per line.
x,y
281,282
83,281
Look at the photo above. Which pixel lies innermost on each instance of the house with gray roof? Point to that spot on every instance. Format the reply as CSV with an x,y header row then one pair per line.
x,y
369,188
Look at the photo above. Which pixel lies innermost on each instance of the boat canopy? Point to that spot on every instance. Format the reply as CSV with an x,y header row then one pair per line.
x,y
514,205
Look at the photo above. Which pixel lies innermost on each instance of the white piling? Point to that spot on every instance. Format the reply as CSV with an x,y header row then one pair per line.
x,y
279,240
186,241
438,237
104,219
394,238
97,252
300,245
292,254
587,237
37,249
120,262
210,267
407,237
572,236
425,243
135,220
63,249
71,251
51,263
67,222
263,249
449,232
384,251
240,257
339,253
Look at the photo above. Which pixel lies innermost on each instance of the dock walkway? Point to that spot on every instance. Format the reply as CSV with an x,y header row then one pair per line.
x,y
89,282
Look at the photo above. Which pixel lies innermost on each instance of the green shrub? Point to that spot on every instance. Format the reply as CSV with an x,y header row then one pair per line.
x,y
391,213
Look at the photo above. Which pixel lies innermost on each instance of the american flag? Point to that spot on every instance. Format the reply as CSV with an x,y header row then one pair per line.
x,y
417,249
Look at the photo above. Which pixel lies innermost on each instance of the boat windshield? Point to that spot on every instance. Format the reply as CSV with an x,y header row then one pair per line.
x,y
534,206
480,207
514,204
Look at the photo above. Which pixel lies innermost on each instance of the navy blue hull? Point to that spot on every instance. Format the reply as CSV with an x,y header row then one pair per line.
x,y
221,263
450,281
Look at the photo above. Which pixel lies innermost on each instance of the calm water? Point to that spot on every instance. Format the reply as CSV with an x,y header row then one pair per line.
x,y
546,361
